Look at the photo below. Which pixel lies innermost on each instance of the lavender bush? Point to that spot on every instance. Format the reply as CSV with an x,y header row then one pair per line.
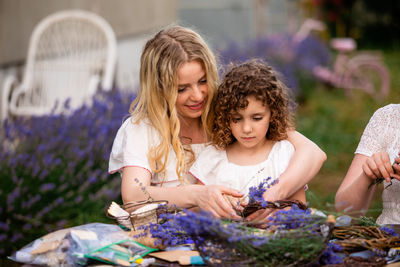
x,y
294,61
53,169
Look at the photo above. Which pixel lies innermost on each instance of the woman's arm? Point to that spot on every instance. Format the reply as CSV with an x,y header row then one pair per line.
x,y
136,187
353,194
304,165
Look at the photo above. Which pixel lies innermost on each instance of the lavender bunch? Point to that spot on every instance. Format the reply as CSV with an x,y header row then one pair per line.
x,y
224,242
53,169
330,256
256,193
189,226
295,218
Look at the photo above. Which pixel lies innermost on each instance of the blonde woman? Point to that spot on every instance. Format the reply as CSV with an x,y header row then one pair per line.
x,y
155,147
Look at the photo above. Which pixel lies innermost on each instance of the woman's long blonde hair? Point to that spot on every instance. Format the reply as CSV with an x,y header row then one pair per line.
x,y
162,56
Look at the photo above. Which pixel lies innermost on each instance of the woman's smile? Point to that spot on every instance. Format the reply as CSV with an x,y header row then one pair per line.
x,y
197,106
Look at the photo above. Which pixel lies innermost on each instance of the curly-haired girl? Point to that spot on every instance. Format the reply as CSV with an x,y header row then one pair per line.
x,y
251,118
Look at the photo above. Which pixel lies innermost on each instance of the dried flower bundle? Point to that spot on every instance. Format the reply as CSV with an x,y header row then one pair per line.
x,y
294,237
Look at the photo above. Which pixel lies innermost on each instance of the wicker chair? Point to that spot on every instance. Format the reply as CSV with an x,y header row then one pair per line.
x,y
71,55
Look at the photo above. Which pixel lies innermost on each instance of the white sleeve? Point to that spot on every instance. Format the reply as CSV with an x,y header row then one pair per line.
x,y
205,168
130,147
372,139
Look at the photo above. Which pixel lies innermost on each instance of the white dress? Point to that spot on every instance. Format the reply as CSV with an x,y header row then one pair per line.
x,y
383,134
213,167
130,148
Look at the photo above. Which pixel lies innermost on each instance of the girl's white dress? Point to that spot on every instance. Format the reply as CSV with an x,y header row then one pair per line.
x,y
383,134
131,146
212,167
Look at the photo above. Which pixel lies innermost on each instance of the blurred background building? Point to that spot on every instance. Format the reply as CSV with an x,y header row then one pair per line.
x,y
133,21
220,22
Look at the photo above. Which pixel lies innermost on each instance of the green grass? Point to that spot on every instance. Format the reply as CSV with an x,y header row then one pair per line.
x,y
336,122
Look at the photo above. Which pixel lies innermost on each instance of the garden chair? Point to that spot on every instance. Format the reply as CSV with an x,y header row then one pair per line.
x,y
71,55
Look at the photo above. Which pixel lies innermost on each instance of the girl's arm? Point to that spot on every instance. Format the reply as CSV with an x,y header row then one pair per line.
x,y
136,186
353,194
306,161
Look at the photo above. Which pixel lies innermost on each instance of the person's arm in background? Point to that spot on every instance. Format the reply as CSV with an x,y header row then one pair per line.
x,y
355,193
304,165
136,186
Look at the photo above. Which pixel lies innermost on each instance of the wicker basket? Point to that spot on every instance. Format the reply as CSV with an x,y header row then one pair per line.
x,y
145,212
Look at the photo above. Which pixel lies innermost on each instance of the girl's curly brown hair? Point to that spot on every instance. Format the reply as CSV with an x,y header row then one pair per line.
x,y
252,78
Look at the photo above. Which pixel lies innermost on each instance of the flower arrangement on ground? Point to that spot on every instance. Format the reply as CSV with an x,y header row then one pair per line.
x,y
295,236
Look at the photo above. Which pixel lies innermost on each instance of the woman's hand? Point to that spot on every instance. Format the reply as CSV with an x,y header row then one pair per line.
x,y
237,203
379,166
396,167
211,198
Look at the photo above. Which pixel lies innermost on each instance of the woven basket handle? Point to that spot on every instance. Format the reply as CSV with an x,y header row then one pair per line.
x,y
132,204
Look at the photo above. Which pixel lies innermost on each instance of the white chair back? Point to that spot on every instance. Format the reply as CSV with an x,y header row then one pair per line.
x,y
71,55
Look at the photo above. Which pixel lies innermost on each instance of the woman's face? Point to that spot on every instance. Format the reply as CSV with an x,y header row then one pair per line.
x,y
192,90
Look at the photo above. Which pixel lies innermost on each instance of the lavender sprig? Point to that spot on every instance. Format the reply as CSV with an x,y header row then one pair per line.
x,y
256,193
381,179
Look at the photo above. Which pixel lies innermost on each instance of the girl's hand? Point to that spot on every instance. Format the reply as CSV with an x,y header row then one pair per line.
x,y
211,198
379,166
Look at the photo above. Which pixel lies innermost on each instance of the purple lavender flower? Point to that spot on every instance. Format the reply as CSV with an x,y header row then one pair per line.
x,y
47,187
294,218
27,226
329,255
78,199
256,193
45,161
389,231
11,197
4,226
3,237
16,237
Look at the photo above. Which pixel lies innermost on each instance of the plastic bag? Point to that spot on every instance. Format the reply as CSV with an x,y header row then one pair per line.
x,y
67,247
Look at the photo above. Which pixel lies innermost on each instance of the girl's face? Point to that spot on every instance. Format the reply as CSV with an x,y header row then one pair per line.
x,y
192,90
250,125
